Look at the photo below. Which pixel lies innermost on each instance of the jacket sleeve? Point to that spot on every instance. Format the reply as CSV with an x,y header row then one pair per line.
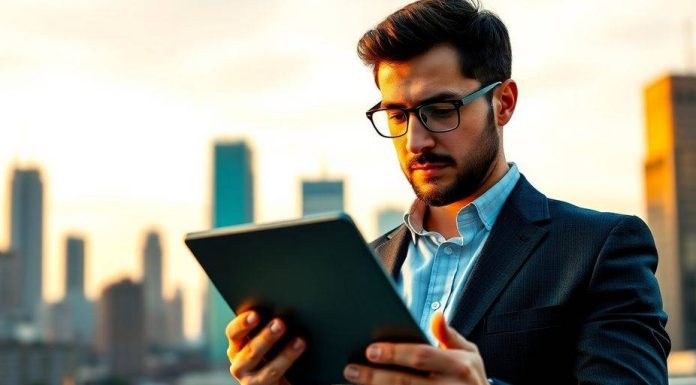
x,y
622,339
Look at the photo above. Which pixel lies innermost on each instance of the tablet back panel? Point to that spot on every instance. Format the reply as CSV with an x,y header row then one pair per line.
x,y
320,276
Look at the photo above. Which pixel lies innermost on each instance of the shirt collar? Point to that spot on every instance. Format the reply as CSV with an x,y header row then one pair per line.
x,y
487,206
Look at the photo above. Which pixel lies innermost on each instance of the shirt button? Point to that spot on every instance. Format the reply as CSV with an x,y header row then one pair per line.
x,y
448,250
435,305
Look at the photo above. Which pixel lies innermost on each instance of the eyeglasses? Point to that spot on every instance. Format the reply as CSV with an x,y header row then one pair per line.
x,y
436,116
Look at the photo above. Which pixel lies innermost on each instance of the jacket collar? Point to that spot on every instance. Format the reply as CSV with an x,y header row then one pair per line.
x,y
518,229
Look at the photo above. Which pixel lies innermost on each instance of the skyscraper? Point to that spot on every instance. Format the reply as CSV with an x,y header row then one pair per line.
x,y
232,203
152,290
73,317
388,219
75,266
26,238
122,329
670,185
321,196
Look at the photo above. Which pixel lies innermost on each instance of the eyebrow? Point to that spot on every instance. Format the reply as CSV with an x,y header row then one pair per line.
x,y
446,95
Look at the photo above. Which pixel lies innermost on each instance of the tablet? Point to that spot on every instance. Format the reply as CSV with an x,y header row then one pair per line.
x,y
320,277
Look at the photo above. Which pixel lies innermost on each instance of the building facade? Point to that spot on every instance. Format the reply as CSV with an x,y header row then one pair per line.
x,y
122,329
232,204
670,186
26,239
322,196
152,291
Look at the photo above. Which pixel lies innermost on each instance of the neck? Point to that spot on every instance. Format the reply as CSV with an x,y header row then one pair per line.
x,y
443,219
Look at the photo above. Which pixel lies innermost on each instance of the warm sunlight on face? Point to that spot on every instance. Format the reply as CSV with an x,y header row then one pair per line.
x,y
442,167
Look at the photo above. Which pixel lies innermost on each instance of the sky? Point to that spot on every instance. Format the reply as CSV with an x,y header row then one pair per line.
x,y
119,102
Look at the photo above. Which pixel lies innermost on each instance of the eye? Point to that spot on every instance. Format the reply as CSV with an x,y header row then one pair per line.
x,y
440,110
396,115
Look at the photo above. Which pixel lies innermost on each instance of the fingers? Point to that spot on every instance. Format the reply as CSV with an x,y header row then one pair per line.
x,y
249,357
439,327
238,329
448,337
359,374
417,356
455,363
275,369
457,341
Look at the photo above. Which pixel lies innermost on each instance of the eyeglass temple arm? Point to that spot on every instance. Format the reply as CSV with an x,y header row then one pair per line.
x,y
465,100
468,98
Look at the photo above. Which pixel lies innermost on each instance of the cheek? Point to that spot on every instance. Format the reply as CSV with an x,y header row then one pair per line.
x,y
401,152
475,115
400,148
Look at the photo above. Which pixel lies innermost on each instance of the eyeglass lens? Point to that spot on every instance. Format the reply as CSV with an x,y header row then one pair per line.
x,y
435,116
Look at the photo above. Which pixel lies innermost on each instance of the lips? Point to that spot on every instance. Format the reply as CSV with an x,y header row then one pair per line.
x,y
429,166
429,170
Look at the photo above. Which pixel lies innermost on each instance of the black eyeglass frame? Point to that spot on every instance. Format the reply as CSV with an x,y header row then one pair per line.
x,y
456,103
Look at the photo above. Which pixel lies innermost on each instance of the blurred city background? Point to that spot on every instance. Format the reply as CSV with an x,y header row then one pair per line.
x,y
127,124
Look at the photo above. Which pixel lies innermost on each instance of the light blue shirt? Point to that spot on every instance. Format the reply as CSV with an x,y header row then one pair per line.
x,y
435,270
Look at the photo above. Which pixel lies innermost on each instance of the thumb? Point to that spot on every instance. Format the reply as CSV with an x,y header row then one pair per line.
x,y
447,336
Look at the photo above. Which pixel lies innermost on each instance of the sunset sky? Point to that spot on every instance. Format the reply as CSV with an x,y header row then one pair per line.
x,y
119,102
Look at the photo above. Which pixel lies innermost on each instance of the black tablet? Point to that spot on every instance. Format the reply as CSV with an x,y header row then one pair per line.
x,y
320,277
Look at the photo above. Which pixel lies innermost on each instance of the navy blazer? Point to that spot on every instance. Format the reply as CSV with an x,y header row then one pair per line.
x,y
559,295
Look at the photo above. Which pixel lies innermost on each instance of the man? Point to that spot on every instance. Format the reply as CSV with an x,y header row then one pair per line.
x,y
536,291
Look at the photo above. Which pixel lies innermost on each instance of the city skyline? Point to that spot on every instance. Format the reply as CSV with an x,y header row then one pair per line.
x,y
123,134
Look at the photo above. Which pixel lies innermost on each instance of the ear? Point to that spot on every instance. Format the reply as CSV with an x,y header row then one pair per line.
x,y
505,100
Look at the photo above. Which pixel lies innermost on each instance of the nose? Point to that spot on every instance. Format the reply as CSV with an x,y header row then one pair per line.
x,y
418,138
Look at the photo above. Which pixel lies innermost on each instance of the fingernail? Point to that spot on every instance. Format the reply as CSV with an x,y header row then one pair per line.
x,y
298,344
373,352
352,373
275,326
252,318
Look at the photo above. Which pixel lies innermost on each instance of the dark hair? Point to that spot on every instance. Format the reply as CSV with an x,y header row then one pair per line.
x,y
479,36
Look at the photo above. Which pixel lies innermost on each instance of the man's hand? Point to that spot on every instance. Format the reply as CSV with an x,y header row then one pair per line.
x,y
246,355
456,361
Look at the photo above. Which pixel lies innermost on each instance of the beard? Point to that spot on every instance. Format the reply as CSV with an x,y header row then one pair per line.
x,y
471,171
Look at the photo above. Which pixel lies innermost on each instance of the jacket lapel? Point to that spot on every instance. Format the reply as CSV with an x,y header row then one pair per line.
x,y
510,243
516,233
393,249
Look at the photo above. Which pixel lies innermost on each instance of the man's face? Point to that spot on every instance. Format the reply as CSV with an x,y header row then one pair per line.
x,y
442,167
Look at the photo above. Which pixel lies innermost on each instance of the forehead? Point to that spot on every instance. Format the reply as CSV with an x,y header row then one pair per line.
x,y
435,71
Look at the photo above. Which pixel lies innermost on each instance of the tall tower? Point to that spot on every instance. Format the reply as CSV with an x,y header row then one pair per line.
x,y
152,290
26,238
322,196
232,203
670,185
75,268
75,313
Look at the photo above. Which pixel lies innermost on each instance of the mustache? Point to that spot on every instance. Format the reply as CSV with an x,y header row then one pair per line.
x,y
429,158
